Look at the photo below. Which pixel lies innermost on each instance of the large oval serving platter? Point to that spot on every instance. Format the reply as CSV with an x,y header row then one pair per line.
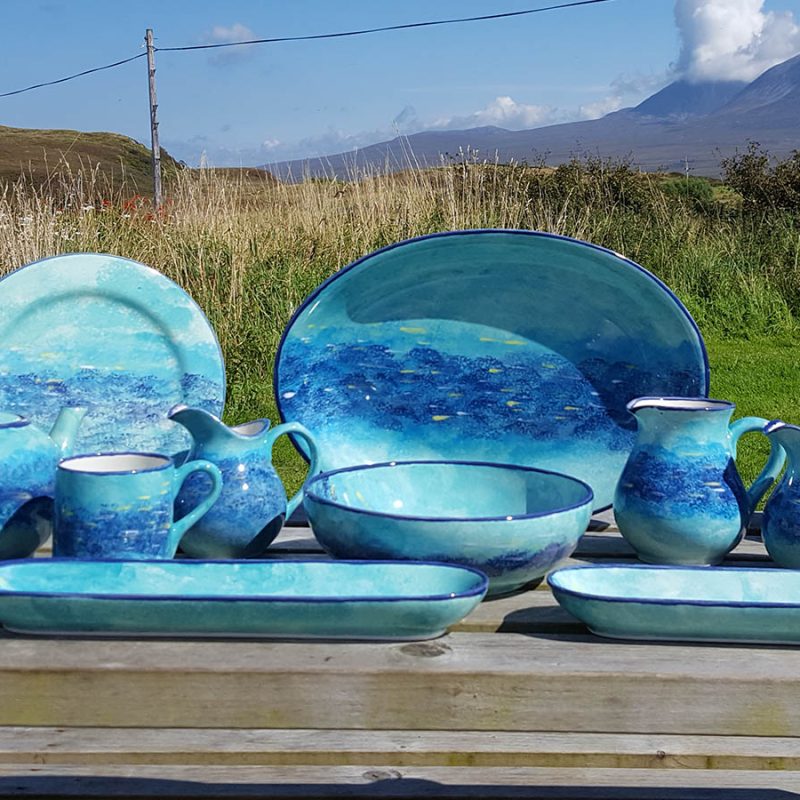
x,y
511,346
110,334
724,604
286,599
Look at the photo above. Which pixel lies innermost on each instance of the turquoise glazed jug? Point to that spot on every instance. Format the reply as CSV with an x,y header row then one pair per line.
x,y
28,459
780,527
680,499
252,507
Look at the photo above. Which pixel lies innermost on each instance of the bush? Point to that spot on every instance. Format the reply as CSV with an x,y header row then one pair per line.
x,y
697,192
764,184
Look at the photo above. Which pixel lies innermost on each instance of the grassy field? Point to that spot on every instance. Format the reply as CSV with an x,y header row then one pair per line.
x,y
249,249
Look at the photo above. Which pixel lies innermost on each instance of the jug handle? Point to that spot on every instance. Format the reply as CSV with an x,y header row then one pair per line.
x,y
177,529
313,456
771,469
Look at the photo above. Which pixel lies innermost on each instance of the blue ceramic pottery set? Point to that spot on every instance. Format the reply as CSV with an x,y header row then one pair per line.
x,y
464,401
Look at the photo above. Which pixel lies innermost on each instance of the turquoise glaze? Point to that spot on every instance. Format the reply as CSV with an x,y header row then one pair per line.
x,y
85,329
510,346
252,507
28,459
513,523
680,499
726,604
120,505
780,526
286,599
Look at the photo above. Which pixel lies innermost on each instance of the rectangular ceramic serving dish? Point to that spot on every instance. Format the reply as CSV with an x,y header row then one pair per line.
x,y
281,599
706,604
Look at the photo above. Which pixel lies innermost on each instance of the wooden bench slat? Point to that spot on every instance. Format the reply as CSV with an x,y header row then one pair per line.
x,y
465,681
181,746
424,782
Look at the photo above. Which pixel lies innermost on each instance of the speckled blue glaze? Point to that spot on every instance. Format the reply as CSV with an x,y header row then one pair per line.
x,y
286,599
726,604
252,506
85,329
680,499
511,346
28,459
121,505
513,523
780,526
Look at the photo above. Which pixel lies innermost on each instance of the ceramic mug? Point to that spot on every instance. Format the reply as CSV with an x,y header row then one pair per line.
x,y
120,505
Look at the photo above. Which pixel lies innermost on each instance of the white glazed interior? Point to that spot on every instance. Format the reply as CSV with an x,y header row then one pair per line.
x,y
115,462
250,428
679,403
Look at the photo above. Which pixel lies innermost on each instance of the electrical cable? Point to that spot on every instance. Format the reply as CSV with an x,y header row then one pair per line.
x,y
76,75
364,31
310,37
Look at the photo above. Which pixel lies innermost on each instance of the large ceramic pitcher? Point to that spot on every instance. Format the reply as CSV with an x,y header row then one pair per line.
x,y
28,459
680,499
780,527
252,506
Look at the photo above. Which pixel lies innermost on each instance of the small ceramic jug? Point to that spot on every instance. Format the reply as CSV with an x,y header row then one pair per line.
x,y
252,507
780,526
28,459
680,499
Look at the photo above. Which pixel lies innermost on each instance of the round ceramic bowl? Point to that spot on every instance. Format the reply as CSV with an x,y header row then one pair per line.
x,y
514,523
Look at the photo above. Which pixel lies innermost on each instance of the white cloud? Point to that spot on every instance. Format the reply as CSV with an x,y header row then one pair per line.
x,y
504,112
222,34
599,108
271,144
732,39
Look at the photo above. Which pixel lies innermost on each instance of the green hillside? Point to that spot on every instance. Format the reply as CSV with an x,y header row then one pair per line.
x,y
41,155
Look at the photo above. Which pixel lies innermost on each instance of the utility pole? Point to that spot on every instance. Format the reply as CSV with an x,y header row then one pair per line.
x,y
151,74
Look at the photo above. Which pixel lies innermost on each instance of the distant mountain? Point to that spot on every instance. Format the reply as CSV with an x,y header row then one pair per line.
x,y
683,123
684,99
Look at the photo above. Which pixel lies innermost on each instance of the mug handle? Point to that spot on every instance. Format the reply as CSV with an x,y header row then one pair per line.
x,y
177,529
771,469
313,456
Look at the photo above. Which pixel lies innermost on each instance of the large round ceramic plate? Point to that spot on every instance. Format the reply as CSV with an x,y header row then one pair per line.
x,y
111,334
510,346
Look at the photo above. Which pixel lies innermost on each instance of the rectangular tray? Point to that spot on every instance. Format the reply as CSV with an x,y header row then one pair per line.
x,y
704,604
284,599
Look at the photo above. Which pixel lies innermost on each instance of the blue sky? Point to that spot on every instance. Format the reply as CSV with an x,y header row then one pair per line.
x,y
264,103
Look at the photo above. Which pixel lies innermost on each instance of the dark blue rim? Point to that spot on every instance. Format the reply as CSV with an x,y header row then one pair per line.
x,y
168,462
478,590
779,425
552,581
511,231
156,272
308,489
697,403
18,422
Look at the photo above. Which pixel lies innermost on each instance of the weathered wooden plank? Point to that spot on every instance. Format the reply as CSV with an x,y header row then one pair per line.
x,y
471,681
186,747
140,781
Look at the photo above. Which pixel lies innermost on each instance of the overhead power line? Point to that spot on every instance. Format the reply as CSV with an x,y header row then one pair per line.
x,y
76,75
310,37
385,28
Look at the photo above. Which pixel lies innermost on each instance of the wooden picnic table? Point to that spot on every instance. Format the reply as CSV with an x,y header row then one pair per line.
x,y
518,700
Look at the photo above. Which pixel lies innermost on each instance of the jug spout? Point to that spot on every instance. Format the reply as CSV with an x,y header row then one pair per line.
x,y
788,437
210,432
65,428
